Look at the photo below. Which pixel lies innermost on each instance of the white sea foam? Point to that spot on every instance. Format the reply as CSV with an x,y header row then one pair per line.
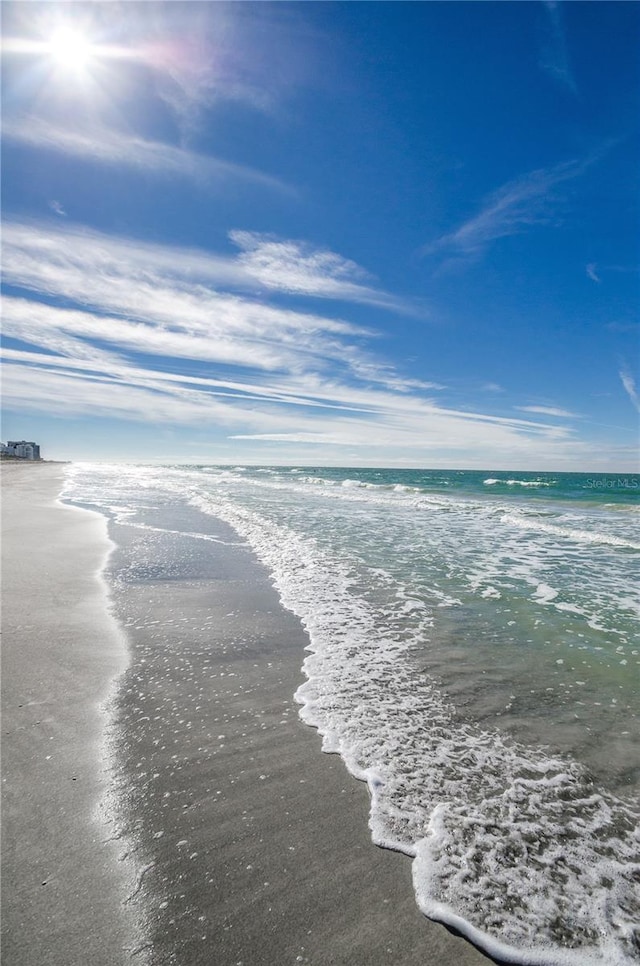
x,y
359,485
317,481
545,594
511,845
570,533
492,482
529,483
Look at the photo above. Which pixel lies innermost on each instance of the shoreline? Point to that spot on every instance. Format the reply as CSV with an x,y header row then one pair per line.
x,y
254,845
251,845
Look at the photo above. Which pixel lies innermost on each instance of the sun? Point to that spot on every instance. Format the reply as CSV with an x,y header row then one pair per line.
x,y
71,49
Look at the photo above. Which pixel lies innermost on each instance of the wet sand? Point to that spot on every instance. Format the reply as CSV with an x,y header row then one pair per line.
x,y
247,844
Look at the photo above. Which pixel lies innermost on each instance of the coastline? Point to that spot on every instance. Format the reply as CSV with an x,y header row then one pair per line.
x,y
251,846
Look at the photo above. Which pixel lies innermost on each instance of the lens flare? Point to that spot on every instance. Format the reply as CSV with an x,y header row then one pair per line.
x,y
70,49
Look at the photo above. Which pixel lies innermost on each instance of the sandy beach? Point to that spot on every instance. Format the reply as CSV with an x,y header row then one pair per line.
x,y
237,842
62,886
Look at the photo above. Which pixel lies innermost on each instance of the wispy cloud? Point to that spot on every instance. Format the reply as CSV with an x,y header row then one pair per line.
x,y
301,269
57,207
215,55
386,424
555,57
142,334
630,387
514,208
250,55
547,411
218,53
107,146
592,273
289,268
210,57
180,303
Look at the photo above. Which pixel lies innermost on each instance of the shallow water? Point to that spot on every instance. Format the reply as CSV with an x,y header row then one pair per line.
x,y
474,656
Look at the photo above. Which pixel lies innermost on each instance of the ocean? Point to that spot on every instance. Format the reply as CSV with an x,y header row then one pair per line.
x,y
473,656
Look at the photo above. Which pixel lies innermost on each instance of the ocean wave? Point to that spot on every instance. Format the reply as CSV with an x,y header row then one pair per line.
x,y
492,482
512,846
360,485
569,533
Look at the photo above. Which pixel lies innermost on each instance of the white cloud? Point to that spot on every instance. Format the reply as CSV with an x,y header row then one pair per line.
x,y
249,57
165,288
108,146
418,428
315,438
555,57
299,268
210,342
547,411
199,67
629,384
70,252
512,209
150,337
592,273
246,54
152,300
73,393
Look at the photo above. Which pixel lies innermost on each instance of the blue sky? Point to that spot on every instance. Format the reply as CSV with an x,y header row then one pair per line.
x,y
399,234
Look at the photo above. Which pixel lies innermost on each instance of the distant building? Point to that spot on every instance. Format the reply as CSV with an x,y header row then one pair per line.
x,y
22,449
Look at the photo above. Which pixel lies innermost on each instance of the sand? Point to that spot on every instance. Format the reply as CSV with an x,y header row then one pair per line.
x,y
62,886
244,843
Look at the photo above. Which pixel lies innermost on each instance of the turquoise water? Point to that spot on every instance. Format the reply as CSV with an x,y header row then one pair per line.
x,y
474,656
584,487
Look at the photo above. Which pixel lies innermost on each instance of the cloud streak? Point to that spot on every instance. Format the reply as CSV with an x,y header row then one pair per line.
x,y
417,427
107,146
547,411
592,273
630,388
300,269
166,273
516,207
179,304
148,333
555,57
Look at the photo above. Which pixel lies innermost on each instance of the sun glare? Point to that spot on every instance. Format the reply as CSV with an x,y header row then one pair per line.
x,y
70,49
